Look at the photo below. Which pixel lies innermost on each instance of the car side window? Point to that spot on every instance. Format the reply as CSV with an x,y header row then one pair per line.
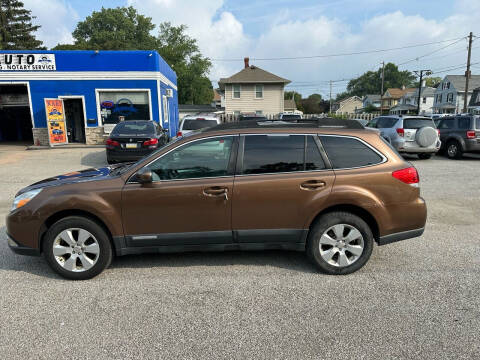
x,y
373,123
346,152
446,123
273,153
313,158
386,123
464,123
198,159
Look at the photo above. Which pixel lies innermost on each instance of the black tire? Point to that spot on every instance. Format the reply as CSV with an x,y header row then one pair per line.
x,y
104,256
323,224
110,162
424,156
454,150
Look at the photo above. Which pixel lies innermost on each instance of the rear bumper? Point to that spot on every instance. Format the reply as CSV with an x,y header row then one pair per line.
x,y
126,155
21,249
411,147
472,145
404,235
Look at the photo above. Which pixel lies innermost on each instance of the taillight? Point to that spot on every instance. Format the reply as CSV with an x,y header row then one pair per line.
x,y
401,132
471,134
408,176
112,143
152,143
438,132
179,134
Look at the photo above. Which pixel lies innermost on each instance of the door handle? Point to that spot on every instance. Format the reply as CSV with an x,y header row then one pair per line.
x,y
313,185
216,191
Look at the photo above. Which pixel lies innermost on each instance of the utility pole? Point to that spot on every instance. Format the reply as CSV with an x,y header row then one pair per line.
x,y
330,110
381,91
420,74
467,73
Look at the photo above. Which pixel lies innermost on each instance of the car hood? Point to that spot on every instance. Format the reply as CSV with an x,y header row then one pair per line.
x,y
91,174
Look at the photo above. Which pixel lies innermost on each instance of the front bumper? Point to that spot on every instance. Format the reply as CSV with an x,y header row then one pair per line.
x,y
21,249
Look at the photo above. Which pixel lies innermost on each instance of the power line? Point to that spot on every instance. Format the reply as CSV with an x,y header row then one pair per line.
x,y
345,54
430,53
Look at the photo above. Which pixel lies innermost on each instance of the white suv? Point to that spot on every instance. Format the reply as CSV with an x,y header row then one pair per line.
x,y
410,134
195,122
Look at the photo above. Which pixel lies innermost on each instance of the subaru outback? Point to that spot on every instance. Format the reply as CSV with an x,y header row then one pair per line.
x,y
329,187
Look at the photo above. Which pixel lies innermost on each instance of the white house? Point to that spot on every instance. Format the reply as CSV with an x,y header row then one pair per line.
x,y
408,102
253,90
449,96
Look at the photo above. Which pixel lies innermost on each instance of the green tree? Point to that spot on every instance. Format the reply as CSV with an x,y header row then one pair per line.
x,y
121,28
297,97
371,81
16,29
315,97
371,109
181,52
430,81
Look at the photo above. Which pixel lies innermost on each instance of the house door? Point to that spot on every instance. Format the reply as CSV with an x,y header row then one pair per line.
x,y
75,120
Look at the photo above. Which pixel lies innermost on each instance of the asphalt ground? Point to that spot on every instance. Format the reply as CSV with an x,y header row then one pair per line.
x,y
418,298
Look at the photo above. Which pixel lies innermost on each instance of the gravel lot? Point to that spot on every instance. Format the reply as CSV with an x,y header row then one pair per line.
x,y
418,298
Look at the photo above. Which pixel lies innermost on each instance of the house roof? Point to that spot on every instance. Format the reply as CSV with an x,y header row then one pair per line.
x,y
289,104
372,97
216,95
396,93
253,74
458,82
351,98
426,92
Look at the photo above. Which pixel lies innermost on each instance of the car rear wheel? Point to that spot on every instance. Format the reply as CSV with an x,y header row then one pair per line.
x,y
77,248
339,243
454,150
424,156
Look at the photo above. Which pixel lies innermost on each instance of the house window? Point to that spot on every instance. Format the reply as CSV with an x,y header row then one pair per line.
x,y
258,91
439,98
236,91
389,102
130,105
424,100
450,97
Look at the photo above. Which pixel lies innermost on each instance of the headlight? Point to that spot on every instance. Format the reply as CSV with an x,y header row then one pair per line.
x,y
24,198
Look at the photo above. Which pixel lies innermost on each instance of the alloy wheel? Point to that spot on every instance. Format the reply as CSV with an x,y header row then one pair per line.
x,y
341,245
76,249
452,150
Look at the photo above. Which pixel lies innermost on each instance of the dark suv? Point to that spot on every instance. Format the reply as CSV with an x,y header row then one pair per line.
x,y
459,134
329,187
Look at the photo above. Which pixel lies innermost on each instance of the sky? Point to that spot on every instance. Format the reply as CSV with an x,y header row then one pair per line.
x,y
227,31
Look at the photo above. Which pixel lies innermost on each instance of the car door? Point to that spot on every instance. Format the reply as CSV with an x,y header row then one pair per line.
x,y
281,180
189,199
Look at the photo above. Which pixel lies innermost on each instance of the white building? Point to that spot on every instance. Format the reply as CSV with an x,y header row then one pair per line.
x,y
408,103
449,96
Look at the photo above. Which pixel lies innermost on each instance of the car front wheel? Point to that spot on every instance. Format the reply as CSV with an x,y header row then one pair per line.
x,y
339,243
77,248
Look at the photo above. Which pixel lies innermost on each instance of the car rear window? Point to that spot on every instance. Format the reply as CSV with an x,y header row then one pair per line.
x,y
291,117
346,152
133,128
273,153
196,124
417,123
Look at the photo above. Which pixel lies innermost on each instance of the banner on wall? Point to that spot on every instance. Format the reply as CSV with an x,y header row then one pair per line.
x,y
57,134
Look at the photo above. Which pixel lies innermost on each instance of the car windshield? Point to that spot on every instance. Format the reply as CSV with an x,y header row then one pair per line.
x,y
195,124
291,117
133,128
417,123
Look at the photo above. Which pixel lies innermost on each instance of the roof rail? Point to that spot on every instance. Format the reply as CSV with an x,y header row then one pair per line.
x,y
301,123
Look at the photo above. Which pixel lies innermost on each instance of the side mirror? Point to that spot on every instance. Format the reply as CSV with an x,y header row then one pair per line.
x,y
144,176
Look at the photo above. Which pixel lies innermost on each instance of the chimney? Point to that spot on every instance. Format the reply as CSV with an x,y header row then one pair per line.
x,y
246,61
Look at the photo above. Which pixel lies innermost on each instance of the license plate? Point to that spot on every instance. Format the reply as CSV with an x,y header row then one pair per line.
x,y
130,146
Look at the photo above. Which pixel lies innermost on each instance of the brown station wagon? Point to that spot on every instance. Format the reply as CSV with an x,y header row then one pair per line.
x,y
327,187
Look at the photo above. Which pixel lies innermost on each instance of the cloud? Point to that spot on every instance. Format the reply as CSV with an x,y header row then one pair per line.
x,y
57,20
